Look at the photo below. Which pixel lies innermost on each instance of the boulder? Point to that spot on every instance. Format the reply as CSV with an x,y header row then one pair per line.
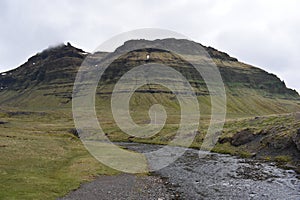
x,y
242,137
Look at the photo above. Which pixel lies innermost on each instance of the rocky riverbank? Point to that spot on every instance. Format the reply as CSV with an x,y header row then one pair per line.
x,y
123,187
215,176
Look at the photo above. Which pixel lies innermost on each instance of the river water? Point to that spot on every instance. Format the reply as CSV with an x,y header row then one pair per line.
x,y
219,176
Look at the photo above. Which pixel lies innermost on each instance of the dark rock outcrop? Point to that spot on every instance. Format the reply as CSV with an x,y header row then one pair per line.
x,y
224,140
242,137
54,65
279,143
296,139
75,132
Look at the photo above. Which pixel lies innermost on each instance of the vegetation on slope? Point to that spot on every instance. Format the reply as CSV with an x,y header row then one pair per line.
x,y
39,158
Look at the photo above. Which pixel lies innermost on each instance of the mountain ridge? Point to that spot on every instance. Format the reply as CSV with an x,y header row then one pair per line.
x,y
51,73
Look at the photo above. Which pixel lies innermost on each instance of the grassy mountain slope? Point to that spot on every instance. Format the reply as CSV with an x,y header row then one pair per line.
x,y
46,80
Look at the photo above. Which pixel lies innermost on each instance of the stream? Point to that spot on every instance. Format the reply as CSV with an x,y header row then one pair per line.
x,y
219,176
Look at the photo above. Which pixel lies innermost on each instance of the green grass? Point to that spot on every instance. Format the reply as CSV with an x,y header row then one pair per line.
x,y
283,158
40,160
271,129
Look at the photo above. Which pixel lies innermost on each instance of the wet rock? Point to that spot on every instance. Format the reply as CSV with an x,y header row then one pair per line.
x,y
254,172
242,137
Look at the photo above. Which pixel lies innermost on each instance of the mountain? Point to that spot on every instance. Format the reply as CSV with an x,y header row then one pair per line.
x,y
36,98
46,80
48,77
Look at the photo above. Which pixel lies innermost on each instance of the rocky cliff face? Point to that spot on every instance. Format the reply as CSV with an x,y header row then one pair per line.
x,y
58,64
234,73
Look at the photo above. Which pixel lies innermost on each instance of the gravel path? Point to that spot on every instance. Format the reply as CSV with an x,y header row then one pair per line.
x,y
124,186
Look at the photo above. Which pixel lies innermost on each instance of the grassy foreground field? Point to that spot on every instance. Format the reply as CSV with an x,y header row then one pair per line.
x,y
40,159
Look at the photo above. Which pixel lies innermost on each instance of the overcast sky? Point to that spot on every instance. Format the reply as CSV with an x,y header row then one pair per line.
x,y
263,33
